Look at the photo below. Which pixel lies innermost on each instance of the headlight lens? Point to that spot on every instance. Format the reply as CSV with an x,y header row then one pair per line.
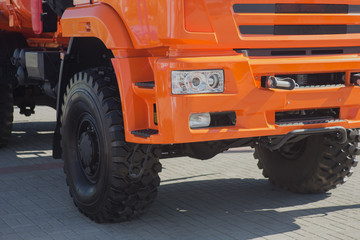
x,y
199,120
194,82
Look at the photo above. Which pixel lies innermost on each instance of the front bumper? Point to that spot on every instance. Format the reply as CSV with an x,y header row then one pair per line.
x,y
254,106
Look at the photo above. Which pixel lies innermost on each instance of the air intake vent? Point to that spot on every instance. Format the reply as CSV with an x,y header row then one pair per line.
x,y
307,116
290,13
299,51
297,8
299,29
313,80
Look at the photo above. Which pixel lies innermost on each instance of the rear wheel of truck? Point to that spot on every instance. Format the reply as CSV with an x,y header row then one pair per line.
x,y
313,165
6,113
109,179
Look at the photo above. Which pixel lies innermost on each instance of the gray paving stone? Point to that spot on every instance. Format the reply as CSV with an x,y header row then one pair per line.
x,y
222,198
11,236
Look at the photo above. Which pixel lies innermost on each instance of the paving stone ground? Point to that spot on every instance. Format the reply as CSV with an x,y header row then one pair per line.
x,y
222,198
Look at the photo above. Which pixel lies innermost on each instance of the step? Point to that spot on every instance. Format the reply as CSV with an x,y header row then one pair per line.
x,y
145,132
145,84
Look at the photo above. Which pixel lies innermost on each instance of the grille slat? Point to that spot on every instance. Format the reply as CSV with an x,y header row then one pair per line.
x,y
307,116
313,80
337,20
298,51
299,29
297,8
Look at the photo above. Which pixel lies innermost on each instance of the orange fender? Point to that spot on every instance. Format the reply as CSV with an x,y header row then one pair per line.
x,y
96,20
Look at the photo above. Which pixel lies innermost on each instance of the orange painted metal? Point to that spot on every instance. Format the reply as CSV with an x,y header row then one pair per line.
x,y
150,39
15,16
98,20
163,23
194,24
196,17
255,107
149,25
158,23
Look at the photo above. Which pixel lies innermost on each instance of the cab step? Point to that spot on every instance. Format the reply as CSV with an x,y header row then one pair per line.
x,y
145,132
145,84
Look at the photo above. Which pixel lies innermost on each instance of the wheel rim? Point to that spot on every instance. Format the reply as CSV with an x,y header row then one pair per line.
x,y
88,149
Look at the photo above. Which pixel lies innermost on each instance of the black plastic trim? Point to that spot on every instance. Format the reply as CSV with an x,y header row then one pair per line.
x,y
145,132
297,8
341,132
298,29
298,51
145,84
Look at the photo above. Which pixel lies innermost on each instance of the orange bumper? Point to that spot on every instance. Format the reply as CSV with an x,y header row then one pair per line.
x,y
254,107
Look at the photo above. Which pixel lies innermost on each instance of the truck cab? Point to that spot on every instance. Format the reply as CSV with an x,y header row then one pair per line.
x,y
138,81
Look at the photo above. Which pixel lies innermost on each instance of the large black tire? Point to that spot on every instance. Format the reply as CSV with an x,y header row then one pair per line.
x,y
6,113
103,171
314,165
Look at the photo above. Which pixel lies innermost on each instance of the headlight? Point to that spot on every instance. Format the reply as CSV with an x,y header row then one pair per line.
x,y
194,82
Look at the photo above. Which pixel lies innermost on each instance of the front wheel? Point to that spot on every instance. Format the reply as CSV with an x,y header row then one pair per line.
x,y
313,165
109,179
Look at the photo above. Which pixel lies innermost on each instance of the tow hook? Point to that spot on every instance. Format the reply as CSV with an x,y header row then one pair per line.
x,y
280,83
277,142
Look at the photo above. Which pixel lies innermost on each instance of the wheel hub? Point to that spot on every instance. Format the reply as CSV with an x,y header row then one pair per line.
x,y
88,151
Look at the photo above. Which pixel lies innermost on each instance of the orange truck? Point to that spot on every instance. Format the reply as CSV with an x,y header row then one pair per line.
x,y
137,81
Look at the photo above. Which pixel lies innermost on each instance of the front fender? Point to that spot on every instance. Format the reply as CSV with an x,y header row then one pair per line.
x,y
96,20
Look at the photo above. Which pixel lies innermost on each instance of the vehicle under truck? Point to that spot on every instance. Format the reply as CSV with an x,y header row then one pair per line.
x,y
137,81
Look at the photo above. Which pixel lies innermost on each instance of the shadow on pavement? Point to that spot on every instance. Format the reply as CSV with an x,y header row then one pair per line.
x,y
30,143
238,208
208,209
32,134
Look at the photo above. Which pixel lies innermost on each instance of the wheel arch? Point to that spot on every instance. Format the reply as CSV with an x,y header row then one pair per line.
x,y
78,58
98,20
97,34
94,30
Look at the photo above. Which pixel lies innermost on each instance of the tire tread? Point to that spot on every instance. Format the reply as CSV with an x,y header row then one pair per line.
x,y
127,198
334,166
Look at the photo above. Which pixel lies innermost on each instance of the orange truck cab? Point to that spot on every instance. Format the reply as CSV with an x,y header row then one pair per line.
x,y
137,81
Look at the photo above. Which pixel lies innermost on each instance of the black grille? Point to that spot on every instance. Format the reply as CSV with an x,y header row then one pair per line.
x,y
297,8
308,29
311,8
312,80
307,116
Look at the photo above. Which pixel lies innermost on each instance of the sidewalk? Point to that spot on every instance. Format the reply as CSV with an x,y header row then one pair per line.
x,y
223,198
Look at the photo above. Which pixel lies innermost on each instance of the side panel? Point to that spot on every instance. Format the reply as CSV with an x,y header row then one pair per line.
x,y
15,16
102,22
160,23
98,20
218,24
137,103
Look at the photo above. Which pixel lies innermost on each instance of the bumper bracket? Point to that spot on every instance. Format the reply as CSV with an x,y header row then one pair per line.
x,y
302,133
